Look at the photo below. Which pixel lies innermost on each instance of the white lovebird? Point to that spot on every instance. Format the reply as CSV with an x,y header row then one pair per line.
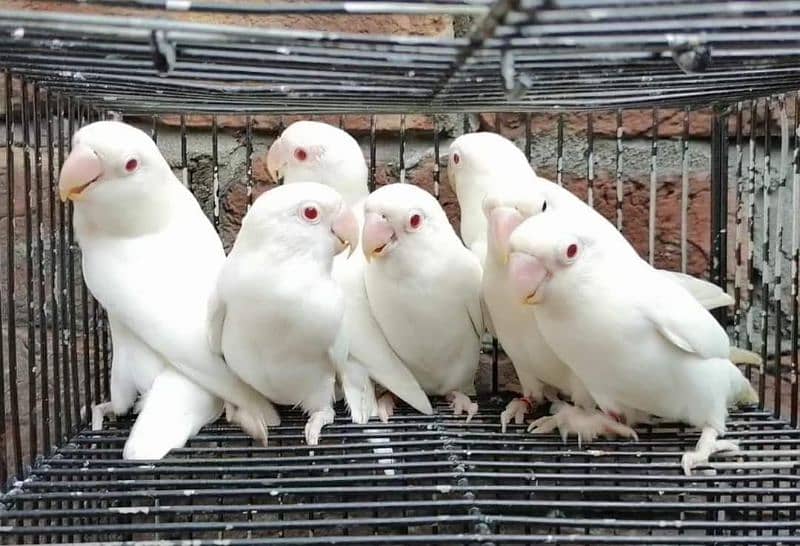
x,y
483,163
315,151
635,338
277,313
151,258
538,368
310,150
423,286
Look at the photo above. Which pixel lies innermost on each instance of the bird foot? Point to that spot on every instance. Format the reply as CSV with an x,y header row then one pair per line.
x,y
99,412
315,422
461,403
386,405
587,426
251,424
707,445
516,410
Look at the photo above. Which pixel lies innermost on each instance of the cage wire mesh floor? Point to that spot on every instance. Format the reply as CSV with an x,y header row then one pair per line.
x,y
420,479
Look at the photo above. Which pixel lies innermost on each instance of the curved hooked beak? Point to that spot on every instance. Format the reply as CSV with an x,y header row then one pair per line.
x,y
345,228
502,223
527,274
377,235
275,160
81,169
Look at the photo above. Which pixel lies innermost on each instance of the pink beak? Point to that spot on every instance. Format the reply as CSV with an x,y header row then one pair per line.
x,y
81,168
527,274
378,233
345,227
275,159
502,222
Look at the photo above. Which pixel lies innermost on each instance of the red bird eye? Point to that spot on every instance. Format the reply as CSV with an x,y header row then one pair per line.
x,y
415,221
311,213
456,159
572,251
131,165
300,154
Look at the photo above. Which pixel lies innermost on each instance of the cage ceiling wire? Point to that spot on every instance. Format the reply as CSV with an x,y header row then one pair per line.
x,y
522,55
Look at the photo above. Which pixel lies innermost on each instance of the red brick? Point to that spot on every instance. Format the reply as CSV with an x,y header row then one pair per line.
x,y
357,125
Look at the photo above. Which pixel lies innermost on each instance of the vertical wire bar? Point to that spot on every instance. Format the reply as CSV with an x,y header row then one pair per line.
x,y
765,268
248,147
528,139
30,298
795,351
72,110
778,253
4,466
751,215
719,204
11,271
560,151
618,174
651,224
55,309
83,112
154,129
402,148
215,165
94,315
684,144
740,211
436,158
95,330
107,350
63,332
590,159
184,153
44,373
372,155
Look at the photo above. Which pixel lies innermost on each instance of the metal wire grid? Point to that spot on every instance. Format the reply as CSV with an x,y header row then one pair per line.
x,y
419,479
49,389
519,55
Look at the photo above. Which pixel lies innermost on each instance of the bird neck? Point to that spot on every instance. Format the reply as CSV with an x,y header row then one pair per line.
x,y
146,213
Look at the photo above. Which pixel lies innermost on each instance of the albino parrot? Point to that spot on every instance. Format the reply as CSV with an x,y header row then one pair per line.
x,y
314,151
151,258
424,289
484,162
276,315
635,339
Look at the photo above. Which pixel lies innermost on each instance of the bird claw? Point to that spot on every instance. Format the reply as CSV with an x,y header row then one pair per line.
x,y
386,405
586,426
99,412
461,403
707,445
314,425
516,411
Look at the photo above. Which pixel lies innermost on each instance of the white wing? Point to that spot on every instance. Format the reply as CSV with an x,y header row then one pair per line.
x,y
708,294
682,320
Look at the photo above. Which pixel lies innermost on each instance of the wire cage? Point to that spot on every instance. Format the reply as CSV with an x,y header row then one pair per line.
x,y
679,121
